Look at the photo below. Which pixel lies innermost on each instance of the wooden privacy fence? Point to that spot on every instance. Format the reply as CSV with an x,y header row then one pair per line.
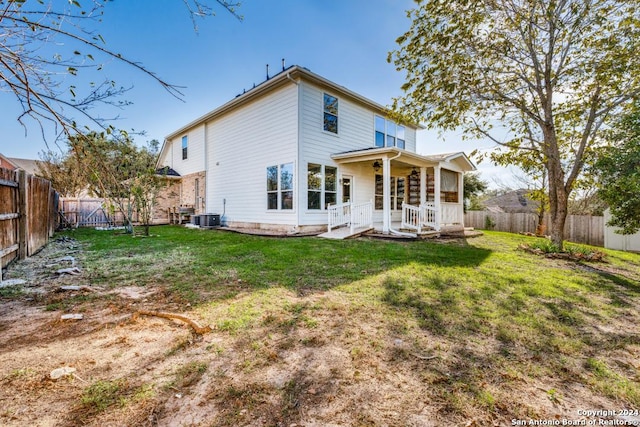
x,y
88,212
578,228
28,213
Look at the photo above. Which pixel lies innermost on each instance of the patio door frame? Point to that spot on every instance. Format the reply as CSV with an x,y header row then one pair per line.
x,y
344,177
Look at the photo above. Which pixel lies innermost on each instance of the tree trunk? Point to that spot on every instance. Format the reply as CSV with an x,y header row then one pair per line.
x,y
558,219
558,202
129,219
540,228
558,194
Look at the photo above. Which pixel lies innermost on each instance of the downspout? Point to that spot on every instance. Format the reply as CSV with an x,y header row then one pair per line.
x,y
298,148
206,171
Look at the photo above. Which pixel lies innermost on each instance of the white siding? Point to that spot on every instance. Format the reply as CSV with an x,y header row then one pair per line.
x,y
283,126
410,139
613,240
355,132
241,145
195,152
355,126
166,155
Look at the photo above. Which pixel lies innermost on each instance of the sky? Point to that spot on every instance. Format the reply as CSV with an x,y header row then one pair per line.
x,y
345,41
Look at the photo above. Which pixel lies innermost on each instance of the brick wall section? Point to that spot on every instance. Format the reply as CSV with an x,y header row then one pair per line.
x,y
188,196
6,164
180,192
168,197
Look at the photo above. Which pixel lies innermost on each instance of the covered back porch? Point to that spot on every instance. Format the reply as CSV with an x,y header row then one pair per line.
x,y
398,192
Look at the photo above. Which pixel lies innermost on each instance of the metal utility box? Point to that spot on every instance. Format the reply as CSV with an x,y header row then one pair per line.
x,y
210,220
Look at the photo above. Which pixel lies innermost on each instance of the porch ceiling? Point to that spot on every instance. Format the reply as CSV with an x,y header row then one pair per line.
x,y
400,157
404,158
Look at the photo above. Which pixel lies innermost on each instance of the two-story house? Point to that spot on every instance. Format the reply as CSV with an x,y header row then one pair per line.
x,y
301,153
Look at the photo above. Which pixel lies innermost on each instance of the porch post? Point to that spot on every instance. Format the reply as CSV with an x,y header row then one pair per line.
x,y
386,195
423,185
436,196
461,197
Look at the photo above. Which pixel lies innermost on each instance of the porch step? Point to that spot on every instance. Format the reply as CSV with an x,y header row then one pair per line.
x,y
427,234
403,233
344,233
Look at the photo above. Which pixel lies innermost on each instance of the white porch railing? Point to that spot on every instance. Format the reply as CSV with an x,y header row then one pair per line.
x,y
354,215
430,215
411,217
416,217
339,215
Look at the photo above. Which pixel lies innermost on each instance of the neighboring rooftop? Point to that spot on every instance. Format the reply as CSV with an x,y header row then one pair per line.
x,y
28,165
515,201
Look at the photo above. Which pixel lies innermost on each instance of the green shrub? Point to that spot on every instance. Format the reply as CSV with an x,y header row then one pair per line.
x,y
489,223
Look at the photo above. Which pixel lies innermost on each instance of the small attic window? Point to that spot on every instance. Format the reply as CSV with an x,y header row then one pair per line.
x,y
185,146
330,113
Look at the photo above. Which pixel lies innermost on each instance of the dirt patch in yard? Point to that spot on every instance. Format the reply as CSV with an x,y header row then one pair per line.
x,y
316,359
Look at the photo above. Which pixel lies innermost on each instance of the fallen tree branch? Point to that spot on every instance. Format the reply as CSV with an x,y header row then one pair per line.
x,y
200,330
424,357
73,271
75,288
70,259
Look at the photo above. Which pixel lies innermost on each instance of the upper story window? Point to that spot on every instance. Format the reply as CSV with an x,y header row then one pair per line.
x,y
388,133
330,113
185,146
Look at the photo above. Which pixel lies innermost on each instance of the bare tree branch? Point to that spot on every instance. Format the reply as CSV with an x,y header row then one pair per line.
x,y
38,76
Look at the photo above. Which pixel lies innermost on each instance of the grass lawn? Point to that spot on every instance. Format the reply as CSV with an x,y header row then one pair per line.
x,y
371,332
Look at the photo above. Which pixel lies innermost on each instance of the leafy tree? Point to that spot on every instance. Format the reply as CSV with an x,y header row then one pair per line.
x,y
536,182
63,172
118,171
618,168
587,201
145,188
46,45
541,78
473,187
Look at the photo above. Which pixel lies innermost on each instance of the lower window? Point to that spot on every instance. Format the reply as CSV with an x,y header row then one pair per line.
x,y
448,186
397,192
321,186
280,187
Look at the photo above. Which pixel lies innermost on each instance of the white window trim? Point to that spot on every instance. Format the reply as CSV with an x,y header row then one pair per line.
x,y
386,120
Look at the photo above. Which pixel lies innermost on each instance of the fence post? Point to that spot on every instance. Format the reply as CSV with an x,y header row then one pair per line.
x,y
23,222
